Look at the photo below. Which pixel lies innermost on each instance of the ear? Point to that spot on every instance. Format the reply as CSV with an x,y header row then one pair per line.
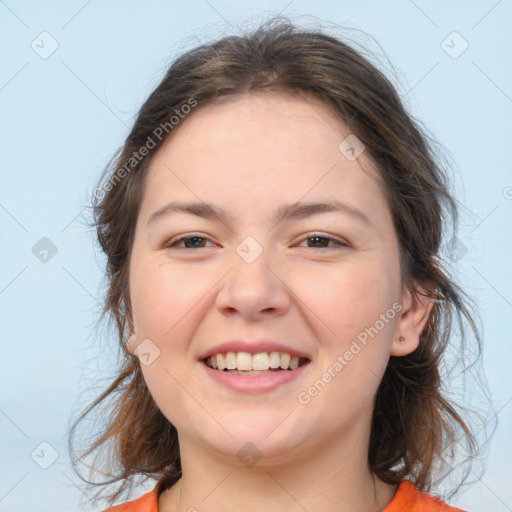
x,y
416,309
131,344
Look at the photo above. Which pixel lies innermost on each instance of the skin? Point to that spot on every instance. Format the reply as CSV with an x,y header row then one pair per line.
x,y
249,155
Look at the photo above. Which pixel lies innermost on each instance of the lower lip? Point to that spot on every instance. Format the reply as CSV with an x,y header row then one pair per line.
x,y
254,384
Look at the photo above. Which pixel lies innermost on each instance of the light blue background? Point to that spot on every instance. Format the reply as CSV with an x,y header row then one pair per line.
x,y
62,119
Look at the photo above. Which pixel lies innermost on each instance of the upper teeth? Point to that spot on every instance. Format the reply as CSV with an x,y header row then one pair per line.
x,y
246,361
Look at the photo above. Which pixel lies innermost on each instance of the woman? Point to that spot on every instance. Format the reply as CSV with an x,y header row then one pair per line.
x,y
272,227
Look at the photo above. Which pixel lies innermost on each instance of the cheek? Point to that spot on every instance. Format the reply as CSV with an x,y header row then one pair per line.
x,y
346,299
163,295
166,309
350,305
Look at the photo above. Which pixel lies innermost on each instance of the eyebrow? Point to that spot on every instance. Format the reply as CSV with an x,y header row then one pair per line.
x,y
284,212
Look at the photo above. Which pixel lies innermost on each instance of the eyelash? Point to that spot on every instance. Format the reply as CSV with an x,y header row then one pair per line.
x,y
172,244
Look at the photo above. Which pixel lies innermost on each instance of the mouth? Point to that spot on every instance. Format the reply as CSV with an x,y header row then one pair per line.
x,y
262,363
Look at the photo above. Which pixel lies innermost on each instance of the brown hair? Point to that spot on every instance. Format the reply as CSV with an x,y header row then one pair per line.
x,y
413,420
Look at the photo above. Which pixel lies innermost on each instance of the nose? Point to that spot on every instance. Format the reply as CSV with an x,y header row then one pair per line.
x,y
254,290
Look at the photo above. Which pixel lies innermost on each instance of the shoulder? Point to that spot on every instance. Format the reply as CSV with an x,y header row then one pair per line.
x,y
409,497
146,503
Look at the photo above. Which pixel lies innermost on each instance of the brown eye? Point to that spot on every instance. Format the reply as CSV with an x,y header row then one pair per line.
x,y
319,241
190,242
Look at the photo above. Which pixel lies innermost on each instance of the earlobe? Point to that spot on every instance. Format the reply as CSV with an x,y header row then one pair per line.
x,y
416,310
130,343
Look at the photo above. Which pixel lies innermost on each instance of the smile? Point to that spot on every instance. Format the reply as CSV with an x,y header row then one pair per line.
x,y
254,373
244,363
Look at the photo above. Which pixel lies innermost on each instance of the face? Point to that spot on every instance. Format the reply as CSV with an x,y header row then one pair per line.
x,y
314,282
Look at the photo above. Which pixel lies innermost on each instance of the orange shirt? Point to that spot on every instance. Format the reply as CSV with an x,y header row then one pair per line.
x,y
406,499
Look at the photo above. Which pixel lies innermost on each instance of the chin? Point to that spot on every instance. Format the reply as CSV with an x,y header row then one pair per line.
x,y
268,438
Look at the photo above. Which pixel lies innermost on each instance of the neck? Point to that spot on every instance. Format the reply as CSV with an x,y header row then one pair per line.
x,y
327,479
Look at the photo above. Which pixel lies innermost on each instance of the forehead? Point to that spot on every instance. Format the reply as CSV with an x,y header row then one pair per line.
x,y
261,150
